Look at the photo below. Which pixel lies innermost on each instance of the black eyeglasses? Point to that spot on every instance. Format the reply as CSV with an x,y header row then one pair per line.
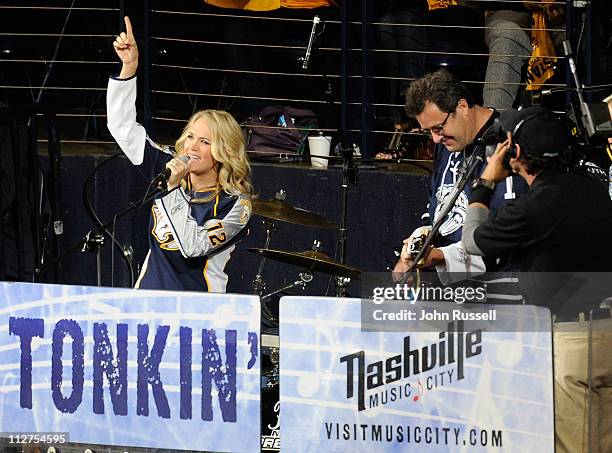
x,y
439,128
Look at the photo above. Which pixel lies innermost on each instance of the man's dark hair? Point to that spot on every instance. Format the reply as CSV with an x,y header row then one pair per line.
x,y
440,88
534,165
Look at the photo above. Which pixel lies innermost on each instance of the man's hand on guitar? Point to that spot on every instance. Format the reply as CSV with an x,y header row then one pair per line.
x,y
411,248
434,257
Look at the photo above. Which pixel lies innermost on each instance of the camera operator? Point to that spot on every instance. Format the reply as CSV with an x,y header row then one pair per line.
x,y
563,224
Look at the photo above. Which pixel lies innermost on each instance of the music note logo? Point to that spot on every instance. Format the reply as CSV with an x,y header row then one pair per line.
x,y
417,397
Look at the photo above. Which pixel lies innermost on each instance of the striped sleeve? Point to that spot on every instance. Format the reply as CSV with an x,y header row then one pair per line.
x,y
199,240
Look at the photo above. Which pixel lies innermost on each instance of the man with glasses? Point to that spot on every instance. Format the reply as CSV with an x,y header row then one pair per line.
x,y
445,108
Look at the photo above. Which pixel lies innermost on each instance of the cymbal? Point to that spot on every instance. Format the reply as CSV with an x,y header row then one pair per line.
x,y
310,259
283,211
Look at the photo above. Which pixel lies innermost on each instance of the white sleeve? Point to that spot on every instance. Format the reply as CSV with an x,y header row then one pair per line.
x,y
121,118
460,265
199,240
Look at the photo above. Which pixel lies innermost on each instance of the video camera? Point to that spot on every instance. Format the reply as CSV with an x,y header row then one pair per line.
x,y
590,126
550,136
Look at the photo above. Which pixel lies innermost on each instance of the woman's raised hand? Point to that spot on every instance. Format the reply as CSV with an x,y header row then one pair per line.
x,y
127,50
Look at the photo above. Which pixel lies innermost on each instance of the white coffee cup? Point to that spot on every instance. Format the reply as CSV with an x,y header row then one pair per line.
x,y
319,145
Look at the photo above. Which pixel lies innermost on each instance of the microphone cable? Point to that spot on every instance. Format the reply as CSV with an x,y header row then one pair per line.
x,y
128,257
55,52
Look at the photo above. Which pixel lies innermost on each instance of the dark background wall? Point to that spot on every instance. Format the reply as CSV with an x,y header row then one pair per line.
x,y
58,53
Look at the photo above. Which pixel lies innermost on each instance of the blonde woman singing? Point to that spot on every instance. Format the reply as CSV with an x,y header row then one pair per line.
x,y
196,224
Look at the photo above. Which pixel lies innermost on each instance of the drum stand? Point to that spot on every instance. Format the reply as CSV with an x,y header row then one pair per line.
x,y
305,278
259,285
341,286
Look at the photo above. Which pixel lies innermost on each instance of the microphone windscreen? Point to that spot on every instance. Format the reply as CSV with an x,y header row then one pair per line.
x,y
494,135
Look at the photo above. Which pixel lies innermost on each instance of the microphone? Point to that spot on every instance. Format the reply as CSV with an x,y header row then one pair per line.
x,y
313,34
494,134
161,180
491,137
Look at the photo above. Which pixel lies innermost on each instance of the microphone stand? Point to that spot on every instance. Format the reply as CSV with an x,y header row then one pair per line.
x,y
349,176
311,59
94,239
349,171
474,161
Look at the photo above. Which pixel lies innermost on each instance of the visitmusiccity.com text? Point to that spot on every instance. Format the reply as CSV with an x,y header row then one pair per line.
x,y
412,294
406,434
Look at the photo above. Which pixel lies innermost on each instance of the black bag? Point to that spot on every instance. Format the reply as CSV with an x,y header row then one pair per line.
x,y
279,129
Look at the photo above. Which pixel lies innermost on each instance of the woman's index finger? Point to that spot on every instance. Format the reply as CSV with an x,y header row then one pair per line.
x,y
128,27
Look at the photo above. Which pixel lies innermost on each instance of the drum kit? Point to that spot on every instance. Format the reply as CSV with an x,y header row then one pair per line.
x,y
311,261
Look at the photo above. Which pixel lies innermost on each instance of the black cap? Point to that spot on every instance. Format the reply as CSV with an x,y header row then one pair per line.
x,y
539,131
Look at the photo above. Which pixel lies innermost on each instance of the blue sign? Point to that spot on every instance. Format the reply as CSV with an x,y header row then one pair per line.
x,y
458,389
125,367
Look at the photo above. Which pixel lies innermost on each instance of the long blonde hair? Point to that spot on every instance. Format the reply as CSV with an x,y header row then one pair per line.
x,y
227,148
